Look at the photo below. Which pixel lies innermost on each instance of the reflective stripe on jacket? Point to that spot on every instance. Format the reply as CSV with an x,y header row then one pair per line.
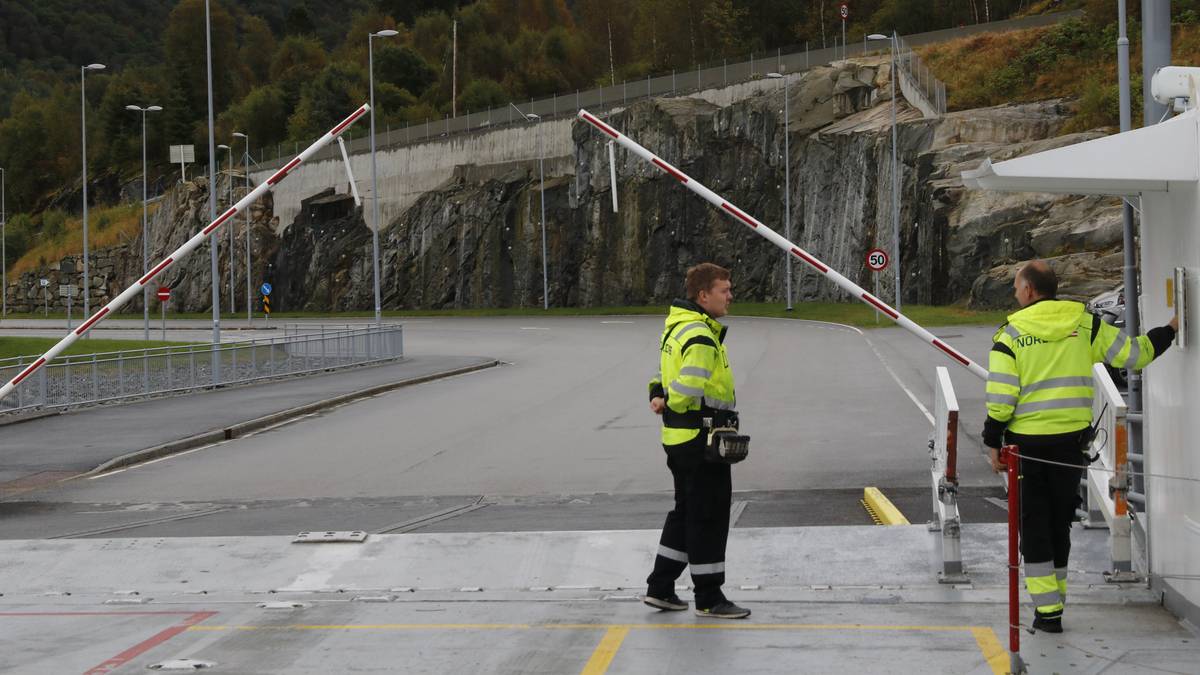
x,y
1040,366
694,374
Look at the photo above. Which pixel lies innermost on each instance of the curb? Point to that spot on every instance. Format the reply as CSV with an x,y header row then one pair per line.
x,y
242,428
883,508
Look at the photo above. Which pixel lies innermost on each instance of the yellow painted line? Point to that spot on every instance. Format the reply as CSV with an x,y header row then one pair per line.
x,y
883,507
605,651
993,651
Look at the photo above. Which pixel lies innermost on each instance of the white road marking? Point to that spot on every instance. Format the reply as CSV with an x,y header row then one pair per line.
x,y
912,397
534,328
155,461
616,322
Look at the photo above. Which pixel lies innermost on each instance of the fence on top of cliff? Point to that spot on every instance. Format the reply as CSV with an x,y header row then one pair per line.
x,y
921,88
713,75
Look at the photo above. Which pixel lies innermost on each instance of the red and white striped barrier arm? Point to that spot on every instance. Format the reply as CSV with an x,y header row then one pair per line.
x,y
180,253
774,237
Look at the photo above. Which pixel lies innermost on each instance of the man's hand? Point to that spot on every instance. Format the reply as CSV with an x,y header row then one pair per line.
x,y
657,404
994,459
1174,323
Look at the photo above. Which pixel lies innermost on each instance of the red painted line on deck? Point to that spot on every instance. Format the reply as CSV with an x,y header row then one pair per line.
x,y
810,260
880,306
739,215
154,272
669,169
28,371
953,354
148,644
601,125
88,324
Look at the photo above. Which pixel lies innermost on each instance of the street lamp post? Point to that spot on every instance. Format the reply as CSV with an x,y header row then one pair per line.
x,y
145,228
87,279
212,205
542,190
375,170
895,167
232,302
787,187
246,170
3,250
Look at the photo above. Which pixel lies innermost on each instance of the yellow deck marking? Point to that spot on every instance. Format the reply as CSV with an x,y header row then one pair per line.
x,y
992,650
605,651
883,507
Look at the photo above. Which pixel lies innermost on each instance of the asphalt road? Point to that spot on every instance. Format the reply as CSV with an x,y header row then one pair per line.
x,y
559,438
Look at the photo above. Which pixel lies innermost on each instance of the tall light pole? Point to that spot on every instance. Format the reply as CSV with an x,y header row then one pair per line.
x,y
542,189
895,167
232,304
145,228
3,250
787,187
246,170
212,204
87,279
375,170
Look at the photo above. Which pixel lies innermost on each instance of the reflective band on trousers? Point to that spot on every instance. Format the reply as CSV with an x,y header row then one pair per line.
x,y
1053,404
1003,399
709,568
672,554
1046,600
694,392
1055,382
1039,569
1004,378
695,371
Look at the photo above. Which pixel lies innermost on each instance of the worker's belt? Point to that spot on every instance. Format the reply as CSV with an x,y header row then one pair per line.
x,y
692,419
724,445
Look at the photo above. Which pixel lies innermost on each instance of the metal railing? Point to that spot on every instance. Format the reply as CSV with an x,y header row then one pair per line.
x,y
943,453
1104,488
116,376
714,74
920,78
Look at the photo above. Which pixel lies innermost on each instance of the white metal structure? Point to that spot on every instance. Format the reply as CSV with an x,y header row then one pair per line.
x,y
1161,164
943,451
1107,477
180,253
773,237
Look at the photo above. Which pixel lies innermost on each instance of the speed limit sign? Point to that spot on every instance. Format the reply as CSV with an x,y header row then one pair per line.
x,y
877,259
844,11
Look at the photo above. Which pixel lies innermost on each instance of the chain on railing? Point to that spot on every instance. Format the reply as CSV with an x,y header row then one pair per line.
x,y
97,378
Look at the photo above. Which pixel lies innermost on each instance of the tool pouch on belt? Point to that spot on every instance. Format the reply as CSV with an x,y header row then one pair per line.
x,y
725,444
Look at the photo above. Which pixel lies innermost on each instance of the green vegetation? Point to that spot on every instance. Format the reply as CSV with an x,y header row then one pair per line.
x,y
12,347
287,70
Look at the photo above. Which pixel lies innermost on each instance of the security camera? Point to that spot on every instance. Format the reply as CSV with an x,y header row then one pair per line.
x,y
1171,83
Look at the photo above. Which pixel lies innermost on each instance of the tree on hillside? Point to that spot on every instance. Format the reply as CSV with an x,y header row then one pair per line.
x,y
257,47
334,93
184,44
296,61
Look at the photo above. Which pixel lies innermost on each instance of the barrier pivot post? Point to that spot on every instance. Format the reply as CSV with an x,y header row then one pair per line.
x,y
1008,456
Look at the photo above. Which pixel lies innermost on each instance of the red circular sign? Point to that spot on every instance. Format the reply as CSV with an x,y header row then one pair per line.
x,y
877,259
164,293
844,10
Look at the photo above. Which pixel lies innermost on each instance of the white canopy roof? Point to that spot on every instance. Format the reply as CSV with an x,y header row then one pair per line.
x,y
1140,160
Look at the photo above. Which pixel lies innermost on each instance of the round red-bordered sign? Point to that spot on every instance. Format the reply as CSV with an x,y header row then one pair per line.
x,y
164,293
877,260
844,10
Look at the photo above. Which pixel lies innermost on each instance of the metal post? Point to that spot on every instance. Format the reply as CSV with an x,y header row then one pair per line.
x,y
542,190
374,183
246,171
145,244
1156,53
232,257
87,279
787,189
1013,464
3,251
895,178
212,205
163,304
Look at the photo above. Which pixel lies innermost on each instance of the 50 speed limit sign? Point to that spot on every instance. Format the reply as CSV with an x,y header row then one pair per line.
x,y
877,259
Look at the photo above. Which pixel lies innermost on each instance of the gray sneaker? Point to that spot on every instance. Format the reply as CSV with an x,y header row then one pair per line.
x,y
667,603
724,610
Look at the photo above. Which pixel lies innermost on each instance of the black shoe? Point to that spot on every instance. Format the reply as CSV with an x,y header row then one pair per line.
x,y
667,603
724,610
1047,624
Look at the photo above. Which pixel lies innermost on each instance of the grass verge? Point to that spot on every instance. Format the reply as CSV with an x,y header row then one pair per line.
x,y
12,347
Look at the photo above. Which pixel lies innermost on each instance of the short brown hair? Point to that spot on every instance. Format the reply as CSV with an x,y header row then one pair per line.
x,y
1041,278
702,277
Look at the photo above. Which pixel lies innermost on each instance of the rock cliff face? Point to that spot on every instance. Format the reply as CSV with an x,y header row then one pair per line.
x,y
476,241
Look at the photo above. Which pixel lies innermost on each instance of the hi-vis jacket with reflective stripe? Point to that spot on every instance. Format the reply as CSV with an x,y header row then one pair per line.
x,y
1040,367
694,374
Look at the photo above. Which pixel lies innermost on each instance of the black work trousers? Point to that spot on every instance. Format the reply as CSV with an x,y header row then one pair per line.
x,y
1049,495
697,529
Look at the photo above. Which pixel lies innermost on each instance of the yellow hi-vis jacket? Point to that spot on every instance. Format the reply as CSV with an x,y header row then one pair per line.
x,y
694,375
1040,366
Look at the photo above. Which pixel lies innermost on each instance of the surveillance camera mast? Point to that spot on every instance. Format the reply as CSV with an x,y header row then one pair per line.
x,y
774,237
182,252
